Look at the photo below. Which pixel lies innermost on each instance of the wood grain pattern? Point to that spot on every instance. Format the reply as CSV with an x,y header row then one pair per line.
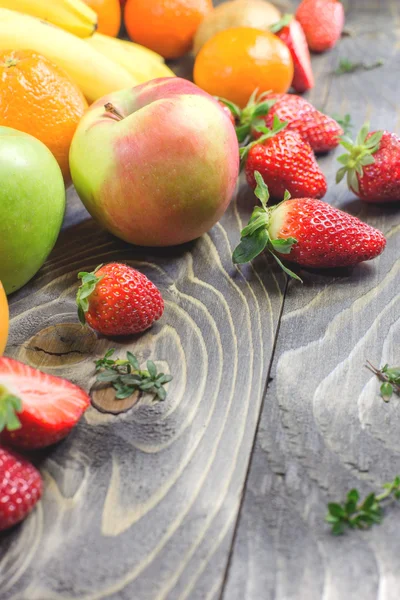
x,y
140,504
324,428
144,505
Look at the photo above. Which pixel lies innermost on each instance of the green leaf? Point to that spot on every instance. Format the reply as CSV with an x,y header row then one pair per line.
x,y
369,502
374,140
242,131
165,378
284,246
386,391
344,158
283,22
250,247
340,174
161,393
133,360
260,222
107,376
109,353
125,393
353,496
81,313
152,369
367,160
145,387
10,405
285,269
336,510
362,135
392,372
286,196
261,191
235,110
338,528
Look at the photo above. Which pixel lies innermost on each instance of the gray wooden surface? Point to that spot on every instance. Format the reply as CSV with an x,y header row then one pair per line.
x,y
193,498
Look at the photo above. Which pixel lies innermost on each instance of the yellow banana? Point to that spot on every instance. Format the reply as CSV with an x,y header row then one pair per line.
x,y
132,46
72,15
93,72
134,58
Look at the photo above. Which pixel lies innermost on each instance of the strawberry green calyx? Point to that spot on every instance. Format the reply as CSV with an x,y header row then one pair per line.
x,y
360,154
255,237
248,117
10,405
89,283
283,22
277,127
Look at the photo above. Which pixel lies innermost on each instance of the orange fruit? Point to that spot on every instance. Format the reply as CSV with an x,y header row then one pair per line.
x,y
108,15
3,319
39,98
165,26
235,62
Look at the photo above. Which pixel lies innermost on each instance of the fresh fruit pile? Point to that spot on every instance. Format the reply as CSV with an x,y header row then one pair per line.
x,y
155,159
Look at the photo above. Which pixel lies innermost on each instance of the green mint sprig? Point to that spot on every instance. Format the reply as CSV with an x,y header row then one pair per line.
x,y
390,377
353,514
126,376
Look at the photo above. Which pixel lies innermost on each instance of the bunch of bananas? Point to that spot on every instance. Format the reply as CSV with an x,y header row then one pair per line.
x,y
64,32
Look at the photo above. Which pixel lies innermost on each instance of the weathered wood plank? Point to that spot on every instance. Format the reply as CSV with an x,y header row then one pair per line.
x,y
142,505
323,427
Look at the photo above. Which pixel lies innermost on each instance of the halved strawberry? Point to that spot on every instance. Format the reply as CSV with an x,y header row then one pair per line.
x,y
36,409
289,30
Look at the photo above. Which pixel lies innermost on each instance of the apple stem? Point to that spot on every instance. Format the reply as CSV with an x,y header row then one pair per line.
x,y
111,109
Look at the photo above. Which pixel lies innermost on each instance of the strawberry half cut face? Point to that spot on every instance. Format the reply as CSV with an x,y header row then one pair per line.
x,y
36,409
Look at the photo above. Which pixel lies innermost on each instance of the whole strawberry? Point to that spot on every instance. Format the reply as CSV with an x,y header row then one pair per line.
x,y
308,232
322,22
320,131
36,409
20,488
286,162
118,300
289,30
372,165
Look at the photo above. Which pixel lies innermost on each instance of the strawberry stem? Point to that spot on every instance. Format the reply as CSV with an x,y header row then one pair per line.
x,y
89,283
359,155
283,22
10,405
255,237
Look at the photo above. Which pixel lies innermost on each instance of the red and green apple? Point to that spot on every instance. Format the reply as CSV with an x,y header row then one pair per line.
x,y
156,164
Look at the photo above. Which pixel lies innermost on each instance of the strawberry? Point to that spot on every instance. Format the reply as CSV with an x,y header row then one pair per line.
x,y
36,409
118,300
286,162
320,131
322,22
20,488
372,165
308,232
289,30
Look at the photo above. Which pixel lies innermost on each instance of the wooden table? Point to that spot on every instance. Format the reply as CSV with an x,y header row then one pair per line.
x,y
221,491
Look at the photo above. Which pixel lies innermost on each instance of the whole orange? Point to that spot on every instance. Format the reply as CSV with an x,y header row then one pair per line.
x,y
3,319
108,15
235,62
39,98
165,26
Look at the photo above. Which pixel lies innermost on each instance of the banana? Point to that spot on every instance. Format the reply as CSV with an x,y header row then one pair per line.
x,y
93,72
132,46
72,15
139,61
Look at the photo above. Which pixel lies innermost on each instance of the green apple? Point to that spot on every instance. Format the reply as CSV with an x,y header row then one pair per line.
x,y
32,206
